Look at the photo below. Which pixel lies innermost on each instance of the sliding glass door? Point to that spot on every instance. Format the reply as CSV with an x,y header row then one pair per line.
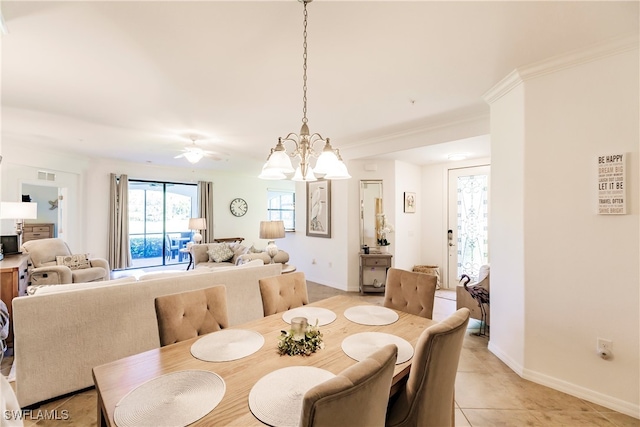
x,y
159,215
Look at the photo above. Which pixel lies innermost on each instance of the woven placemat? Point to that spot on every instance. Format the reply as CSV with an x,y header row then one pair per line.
x,y
360,346
323,315
276,399
175,399
227,344
371,315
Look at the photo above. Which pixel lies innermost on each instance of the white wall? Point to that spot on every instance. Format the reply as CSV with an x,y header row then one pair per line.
x,y
407,238
579,279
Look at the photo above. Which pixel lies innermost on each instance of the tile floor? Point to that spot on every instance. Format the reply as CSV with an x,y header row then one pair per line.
x,y
488,393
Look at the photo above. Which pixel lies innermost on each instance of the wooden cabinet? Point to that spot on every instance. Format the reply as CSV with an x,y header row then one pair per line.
x,y
14,277
35,231
373,272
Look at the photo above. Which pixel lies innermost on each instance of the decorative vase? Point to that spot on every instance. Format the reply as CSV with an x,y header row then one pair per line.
x,y
384,249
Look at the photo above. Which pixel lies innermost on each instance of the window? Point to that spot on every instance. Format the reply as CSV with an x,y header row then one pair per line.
x,y
281,206
159,215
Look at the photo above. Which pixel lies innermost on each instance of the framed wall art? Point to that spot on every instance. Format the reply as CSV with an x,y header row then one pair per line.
x,y
409,202
319,208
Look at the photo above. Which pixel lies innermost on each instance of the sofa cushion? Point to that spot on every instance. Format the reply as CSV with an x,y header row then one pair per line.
x,y
219,252
92,274
73,261
50,289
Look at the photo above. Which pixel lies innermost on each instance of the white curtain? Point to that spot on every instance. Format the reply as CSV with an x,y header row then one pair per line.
x,y
205,208
119,249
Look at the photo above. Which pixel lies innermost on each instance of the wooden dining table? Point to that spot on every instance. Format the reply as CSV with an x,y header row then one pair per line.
x,y
115,379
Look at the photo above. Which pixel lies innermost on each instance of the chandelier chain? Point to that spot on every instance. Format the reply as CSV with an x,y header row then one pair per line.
x,y
304,66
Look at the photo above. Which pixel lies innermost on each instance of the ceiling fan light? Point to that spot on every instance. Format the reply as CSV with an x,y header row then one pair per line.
x,y
193,156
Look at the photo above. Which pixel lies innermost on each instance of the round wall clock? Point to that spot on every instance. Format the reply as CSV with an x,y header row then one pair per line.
x,y
238,207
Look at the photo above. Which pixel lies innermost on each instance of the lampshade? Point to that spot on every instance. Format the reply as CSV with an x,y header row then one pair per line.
x,y
18,210
197,224
271,229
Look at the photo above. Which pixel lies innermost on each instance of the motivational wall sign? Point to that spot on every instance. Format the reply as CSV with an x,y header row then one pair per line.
x,y
611,184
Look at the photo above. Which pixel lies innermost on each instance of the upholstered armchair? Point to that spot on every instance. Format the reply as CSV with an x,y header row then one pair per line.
x,y
55,264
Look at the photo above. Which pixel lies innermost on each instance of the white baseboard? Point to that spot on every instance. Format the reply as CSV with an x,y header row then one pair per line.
x,y
618,405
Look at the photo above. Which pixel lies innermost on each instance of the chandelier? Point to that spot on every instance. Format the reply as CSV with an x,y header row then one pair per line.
x,y
329,164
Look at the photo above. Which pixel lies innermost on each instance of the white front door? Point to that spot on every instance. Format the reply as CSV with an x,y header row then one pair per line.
x,y
468,240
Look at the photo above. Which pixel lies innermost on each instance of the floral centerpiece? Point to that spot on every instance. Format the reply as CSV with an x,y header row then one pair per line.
x,y
294,343
384,228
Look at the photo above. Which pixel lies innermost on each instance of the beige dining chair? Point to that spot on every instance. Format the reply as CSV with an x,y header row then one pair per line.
x,y
410,292
190,314
427,398
283,292
357,396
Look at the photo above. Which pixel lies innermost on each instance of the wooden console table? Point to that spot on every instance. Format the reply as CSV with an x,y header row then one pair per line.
x,y
373,270
14,278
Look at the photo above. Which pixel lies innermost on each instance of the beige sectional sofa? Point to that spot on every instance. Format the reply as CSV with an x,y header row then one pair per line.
x,y
241,255
62,332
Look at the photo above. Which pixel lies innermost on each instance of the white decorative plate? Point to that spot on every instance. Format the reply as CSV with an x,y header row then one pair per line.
x,y
227,344
276,399
323,315
362,345
175,399
373,315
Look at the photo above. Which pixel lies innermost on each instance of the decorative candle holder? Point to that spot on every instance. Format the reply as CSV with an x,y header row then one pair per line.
x,y
302,339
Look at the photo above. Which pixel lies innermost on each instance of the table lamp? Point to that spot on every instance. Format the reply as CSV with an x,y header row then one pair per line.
x,y
18,211
271,230
197,224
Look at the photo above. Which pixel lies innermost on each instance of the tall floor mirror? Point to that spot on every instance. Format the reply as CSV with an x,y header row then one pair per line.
x,y
370,205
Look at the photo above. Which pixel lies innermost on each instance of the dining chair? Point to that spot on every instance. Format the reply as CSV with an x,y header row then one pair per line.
x,y
171,247
190,314
283,292
427,398
357,396
410,292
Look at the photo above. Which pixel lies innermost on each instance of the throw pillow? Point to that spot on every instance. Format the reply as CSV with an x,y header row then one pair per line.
x,y
253,250
219,252
74,262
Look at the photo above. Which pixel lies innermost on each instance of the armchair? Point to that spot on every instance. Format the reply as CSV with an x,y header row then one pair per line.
x,y
46,270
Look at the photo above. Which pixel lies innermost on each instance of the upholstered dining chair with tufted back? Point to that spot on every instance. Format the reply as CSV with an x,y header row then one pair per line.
x,y
410,292
283,292
190,314
357,396
427,398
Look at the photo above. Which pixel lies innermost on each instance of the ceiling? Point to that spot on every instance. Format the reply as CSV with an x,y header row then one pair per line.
x,y
135,80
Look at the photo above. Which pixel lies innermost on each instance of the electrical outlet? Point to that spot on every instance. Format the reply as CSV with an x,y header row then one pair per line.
x,y
605,344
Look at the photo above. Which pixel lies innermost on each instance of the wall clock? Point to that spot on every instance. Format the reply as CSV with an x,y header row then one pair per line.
x,y
238,207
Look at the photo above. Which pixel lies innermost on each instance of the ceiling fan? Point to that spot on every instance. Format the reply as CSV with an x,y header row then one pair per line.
x,y
194,154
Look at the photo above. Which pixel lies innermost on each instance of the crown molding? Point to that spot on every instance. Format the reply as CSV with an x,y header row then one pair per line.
x,y
561,62
434,124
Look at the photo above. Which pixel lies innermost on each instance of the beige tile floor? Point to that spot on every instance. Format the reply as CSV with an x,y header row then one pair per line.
x,y
488,393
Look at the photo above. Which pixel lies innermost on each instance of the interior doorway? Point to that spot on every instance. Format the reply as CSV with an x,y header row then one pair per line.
x,y
468,222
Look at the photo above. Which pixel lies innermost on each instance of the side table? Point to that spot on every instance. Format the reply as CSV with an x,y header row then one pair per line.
x,y
187,251
373,272
14,278
288,268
